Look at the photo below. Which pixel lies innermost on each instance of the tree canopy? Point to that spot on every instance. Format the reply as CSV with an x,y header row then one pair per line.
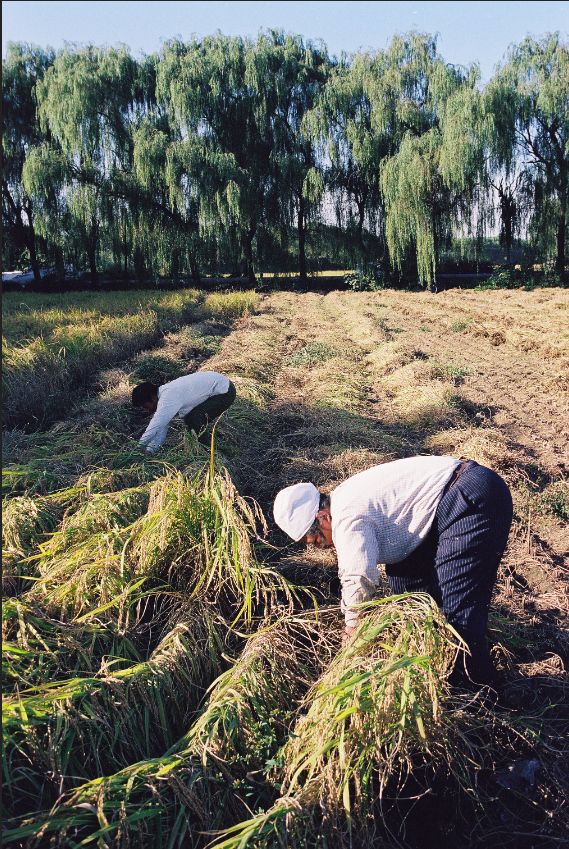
x,y
237,154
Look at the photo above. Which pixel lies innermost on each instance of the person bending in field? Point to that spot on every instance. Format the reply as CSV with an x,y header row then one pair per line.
x,y
439,525
198,398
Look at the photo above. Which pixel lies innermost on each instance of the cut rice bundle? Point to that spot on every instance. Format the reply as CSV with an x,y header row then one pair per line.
x,y
57,734
192,790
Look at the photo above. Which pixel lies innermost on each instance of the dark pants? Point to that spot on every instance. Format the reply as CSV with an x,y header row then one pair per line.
x,y
458,561
199,418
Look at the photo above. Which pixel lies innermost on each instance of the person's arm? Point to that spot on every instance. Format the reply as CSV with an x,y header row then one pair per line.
x,y
155,433
357,550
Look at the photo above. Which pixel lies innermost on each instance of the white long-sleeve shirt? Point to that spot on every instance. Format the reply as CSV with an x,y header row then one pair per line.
x,y
380,516
178,398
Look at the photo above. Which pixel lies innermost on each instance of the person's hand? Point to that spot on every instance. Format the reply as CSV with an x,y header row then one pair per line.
x,y
347,634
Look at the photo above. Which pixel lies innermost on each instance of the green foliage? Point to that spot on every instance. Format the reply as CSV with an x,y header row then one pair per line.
x,y
556,501
22,69
309,355
526,278
529,102
449,371
229,153
367,279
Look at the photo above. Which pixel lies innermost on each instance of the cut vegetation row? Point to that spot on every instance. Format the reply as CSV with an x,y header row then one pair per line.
x,y
164,678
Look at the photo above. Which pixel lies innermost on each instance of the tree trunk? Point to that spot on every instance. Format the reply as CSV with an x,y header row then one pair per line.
x,y
194,268
361,204
139,264
561,229
31,241
125,247
301,239
507,214
92,252
59,263
33,255
248,253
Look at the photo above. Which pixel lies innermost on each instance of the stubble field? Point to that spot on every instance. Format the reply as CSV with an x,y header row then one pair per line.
x,y
173,668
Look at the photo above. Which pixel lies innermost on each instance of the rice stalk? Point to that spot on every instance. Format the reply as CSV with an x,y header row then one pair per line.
x,y
198,534
42,463
137,806
252,704
378,706
101,513
88,457
381,715
83,570
58,733
24,522
37,648
198,785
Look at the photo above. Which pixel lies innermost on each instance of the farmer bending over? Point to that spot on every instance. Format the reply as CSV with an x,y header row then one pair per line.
x,y
439,525
198,398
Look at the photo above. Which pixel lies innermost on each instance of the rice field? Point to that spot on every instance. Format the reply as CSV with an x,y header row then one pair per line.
x,y
173,669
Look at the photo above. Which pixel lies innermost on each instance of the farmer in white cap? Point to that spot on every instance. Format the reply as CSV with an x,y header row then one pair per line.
x,y
439,525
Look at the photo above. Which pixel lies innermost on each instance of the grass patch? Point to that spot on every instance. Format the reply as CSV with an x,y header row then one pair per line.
x,y
459,326
157,368
47,351
448,371
312,354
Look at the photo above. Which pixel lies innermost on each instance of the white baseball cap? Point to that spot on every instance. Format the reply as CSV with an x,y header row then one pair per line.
x,y
295,509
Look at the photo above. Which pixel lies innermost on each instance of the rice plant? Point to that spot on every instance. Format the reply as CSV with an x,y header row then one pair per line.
x,y
198,535
252,704
36,373
48,350
24,522
380,713
210,776
82,566
44,463
58,733
87,459
378,706
38,648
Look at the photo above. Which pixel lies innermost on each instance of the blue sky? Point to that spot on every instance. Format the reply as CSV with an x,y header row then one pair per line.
x,y
468,31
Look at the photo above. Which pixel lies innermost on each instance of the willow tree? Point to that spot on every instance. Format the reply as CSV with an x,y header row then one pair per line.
x,y
289,75
529,102
86,101
44,177
22,69
429,179
341,123
513,192
189,192
203,85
